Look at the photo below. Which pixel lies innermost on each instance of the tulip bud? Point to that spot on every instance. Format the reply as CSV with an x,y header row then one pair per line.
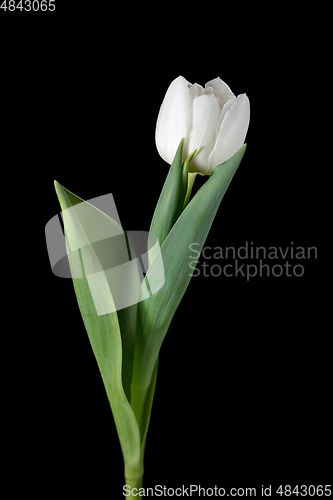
x,y
211,118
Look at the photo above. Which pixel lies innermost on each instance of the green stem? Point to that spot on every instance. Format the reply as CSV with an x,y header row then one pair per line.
x,y
138,404
190,181
133,486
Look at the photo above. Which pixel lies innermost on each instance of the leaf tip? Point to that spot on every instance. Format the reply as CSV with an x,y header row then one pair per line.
x,y
57,186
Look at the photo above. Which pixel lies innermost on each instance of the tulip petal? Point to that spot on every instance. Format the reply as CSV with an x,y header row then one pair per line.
x,y
173,119
223,111
232,133
205,113
196,89
220,89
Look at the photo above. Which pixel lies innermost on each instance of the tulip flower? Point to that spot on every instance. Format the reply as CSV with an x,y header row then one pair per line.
x,y
211,118
198,130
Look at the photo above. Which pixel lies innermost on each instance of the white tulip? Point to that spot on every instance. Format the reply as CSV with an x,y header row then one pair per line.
x,y
211,118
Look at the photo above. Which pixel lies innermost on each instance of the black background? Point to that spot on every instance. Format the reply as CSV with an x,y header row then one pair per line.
x,y
243,384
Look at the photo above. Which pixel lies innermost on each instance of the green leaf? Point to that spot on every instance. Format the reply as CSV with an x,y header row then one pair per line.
x,y
170,203
173,198
155,313
84,226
